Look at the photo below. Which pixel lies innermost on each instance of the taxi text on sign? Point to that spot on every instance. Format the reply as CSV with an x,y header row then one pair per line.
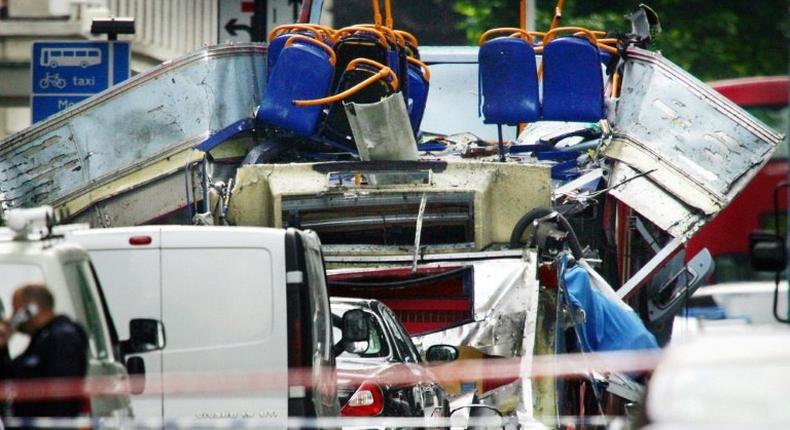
x,y
67,72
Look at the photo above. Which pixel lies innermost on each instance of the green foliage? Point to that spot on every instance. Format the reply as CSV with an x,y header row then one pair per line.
x,y
713,39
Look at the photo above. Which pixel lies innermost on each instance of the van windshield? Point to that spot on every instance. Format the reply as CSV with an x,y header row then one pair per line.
x,y
88,307
85,306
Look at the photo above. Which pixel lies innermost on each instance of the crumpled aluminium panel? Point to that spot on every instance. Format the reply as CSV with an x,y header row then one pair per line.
x,y
505,292
506,311
653,202
149,117
693,143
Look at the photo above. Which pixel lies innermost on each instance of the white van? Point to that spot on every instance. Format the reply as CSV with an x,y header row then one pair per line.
x,y
233,300
32,251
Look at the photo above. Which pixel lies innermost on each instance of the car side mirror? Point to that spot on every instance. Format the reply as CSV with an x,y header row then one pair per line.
x,y
145,335
355,325
355,331
767,252
438,353
135,366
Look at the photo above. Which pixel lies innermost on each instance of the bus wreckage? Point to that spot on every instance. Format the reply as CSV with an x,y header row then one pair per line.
x,y
568,238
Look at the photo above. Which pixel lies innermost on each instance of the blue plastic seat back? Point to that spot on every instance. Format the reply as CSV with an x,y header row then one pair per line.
x,y
418,96
572,81
276,46
302,72
508,81
400,66
273,53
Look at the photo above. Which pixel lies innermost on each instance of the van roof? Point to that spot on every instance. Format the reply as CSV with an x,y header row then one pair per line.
x,y
58,231
188,236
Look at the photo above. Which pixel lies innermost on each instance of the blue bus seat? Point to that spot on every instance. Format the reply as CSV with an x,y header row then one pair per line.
x,y
304,71
282,33
419,78
573,84
508,81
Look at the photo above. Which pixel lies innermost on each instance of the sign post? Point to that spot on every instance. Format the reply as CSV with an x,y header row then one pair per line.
x,y
67,72
252,20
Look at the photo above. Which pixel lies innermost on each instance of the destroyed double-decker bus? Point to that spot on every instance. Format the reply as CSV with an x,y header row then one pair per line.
x,y
568,238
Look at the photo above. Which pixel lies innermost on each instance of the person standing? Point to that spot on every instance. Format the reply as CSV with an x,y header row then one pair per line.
x,y
58,349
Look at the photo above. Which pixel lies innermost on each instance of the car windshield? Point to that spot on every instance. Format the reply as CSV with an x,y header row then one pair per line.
x,y
378,347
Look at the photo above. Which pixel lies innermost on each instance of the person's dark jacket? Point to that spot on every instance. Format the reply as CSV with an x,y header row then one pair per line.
x,y
58,350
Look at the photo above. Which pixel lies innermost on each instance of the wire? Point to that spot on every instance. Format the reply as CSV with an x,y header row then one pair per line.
x,y
605,190
187,186
404,283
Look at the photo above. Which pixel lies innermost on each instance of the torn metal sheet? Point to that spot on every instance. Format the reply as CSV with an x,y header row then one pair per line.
x,y
505,293
696,144
653,202
147,119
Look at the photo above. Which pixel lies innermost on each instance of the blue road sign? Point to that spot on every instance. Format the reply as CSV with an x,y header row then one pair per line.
x,y
67,72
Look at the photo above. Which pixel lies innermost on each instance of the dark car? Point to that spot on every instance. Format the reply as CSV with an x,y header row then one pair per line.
x,y
384,374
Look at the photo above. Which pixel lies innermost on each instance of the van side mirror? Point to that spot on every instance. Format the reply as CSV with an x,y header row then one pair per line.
x,y
437,353
767,252
135,366
145,335
355,331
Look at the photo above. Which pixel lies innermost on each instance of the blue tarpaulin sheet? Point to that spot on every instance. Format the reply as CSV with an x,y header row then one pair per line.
x,y
607,326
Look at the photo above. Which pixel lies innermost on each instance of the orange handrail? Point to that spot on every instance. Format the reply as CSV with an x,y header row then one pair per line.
x,y
616,82
382,73
388,12
367,61
287,28
515,32
581,31
376,13
555,20
408,37
578,31
328,31
390,34
607,48
322,45
361,29
426,72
